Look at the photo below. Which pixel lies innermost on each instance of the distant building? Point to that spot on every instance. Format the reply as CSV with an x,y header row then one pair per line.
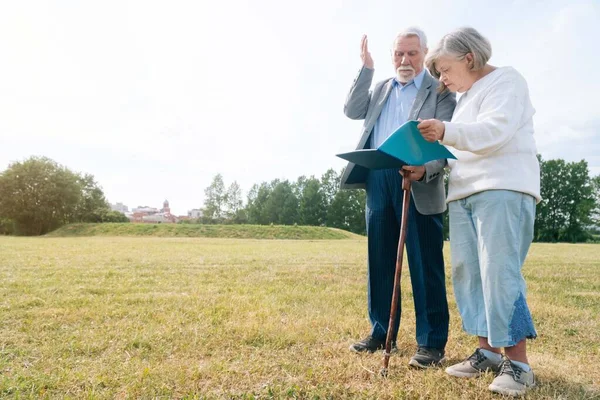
x,y
120,207
195,213
159,218
151,215
145,210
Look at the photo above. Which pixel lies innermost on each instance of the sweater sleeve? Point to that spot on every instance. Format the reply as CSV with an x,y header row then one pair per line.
x,y
497,121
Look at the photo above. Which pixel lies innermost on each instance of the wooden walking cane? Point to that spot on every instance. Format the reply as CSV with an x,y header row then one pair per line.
x,y
398,274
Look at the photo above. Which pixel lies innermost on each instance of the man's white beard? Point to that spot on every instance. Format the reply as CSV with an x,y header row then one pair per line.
x,y
405,74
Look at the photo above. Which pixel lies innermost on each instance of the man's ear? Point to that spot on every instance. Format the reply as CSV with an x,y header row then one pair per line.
x,y
425,50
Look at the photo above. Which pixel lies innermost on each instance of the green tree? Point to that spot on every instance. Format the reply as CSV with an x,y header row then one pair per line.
x,y
7,226
40,195
256,210
92,206
595,214
282,205
300,185
312,209
330,185
114,216
215,200
580,203
567,201
347,211
234,204
550,217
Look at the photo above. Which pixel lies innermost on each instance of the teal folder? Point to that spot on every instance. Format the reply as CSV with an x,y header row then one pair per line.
x,y
406,146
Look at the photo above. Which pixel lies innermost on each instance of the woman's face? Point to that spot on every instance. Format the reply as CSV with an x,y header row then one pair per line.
x,y
456,74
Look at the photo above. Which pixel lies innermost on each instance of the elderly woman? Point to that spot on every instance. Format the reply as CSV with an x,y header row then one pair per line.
x,y
494,186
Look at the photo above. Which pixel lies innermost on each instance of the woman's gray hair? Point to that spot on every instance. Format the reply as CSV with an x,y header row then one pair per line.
x,y
412,31
458,44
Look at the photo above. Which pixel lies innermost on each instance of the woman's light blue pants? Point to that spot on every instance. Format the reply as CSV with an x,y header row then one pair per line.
x,y
490,234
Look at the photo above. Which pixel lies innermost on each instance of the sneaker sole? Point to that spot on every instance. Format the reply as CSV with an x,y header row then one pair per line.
x,y
417,364
459,374
509,392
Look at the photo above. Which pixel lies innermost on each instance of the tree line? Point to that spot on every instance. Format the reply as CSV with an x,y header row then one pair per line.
x,y
38,195
305,201
569,210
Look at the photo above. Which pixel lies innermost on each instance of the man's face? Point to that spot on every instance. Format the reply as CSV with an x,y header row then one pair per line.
x,y
408,57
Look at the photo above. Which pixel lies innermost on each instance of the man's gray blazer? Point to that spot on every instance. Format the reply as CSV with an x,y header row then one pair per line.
x,y
429,194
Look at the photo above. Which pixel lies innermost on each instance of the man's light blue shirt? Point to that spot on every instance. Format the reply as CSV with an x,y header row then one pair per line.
x,y
397,108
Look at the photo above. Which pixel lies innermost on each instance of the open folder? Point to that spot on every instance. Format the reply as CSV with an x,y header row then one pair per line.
x,y
405,146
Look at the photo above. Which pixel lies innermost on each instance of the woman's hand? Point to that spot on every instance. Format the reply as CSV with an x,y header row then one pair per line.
x,y
432,129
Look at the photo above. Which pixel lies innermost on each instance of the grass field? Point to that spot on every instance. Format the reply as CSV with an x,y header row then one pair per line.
x,y
148,317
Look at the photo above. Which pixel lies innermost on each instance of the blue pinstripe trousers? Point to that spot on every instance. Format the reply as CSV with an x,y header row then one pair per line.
x,y
424,244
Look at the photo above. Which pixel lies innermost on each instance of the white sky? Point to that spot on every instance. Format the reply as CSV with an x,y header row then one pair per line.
x,y
154,98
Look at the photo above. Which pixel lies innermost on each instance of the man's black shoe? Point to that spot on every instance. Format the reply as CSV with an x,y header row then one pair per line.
x,y
370,345
427,357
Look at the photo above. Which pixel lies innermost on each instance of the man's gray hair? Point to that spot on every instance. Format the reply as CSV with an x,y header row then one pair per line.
x,y
412,31
458,44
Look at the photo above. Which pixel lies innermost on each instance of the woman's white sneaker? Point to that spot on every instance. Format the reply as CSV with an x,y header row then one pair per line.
x,y
474,365
512,380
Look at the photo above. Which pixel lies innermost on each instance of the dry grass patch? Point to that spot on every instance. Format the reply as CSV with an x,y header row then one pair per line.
x,y
106,318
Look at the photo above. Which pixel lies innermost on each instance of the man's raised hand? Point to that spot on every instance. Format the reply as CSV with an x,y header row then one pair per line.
x,y
364,53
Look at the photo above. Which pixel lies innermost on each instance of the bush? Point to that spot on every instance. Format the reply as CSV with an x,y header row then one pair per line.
x,y
7,227
114,216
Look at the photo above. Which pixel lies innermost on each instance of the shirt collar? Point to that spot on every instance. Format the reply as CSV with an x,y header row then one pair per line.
x,y
417,80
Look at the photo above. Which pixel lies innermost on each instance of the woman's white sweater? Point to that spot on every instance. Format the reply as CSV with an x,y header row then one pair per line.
x,y
491,133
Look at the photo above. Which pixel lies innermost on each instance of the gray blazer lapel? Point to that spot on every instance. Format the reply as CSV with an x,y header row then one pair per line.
x,y
421,96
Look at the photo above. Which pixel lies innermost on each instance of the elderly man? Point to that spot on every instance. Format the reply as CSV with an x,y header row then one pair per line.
x,y
411,94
